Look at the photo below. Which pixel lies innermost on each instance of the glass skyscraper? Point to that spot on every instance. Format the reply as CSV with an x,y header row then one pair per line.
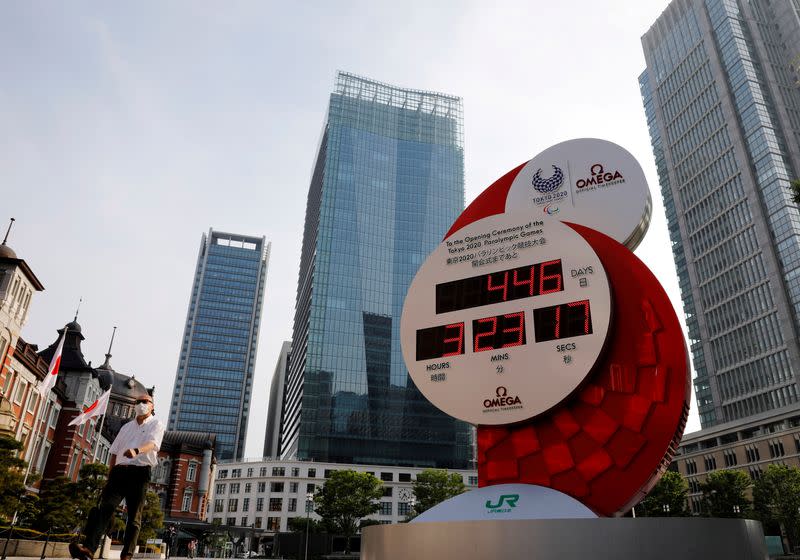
x,y
387,184
722,102
213,385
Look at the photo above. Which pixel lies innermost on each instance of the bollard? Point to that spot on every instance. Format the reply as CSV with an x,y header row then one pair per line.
x,y
46,540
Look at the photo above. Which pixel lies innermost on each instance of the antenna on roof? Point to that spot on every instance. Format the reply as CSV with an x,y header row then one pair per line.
x,y
78,310
106,364
11,223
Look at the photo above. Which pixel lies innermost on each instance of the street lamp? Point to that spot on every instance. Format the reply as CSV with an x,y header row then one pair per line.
x,y
665,507
309,498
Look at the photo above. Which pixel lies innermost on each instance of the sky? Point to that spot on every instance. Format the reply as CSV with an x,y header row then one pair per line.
x,y
129,129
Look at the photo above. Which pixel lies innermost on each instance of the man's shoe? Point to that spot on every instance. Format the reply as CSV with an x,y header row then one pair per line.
x,y
80,552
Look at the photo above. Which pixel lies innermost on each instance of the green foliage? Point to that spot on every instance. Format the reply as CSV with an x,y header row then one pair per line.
x,y
12,472
298,525
434,486
58,501
152,518
724,494
346,497
666,499
64,504
776,496
795,186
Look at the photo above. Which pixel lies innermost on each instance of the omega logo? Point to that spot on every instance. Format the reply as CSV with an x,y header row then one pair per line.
x,y
502,399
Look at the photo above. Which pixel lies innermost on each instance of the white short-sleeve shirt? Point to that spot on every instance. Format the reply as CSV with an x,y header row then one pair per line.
x,y
134,435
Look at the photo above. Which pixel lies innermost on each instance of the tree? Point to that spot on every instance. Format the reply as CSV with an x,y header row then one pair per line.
x,y
58,506
152,518
724,494
776,496
667,498
346,497
12,471
795,186
434,486
298,525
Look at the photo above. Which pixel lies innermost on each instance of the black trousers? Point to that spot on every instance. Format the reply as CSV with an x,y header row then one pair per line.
x,y
124,481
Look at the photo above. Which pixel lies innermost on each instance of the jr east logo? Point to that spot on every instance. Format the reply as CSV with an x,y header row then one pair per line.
x,y
548,189
507,500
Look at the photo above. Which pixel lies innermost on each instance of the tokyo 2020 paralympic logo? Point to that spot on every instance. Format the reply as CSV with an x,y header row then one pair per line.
x,y
551,183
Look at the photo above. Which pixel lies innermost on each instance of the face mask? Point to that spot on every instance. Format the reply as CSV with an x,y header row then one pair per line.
x,y
142,409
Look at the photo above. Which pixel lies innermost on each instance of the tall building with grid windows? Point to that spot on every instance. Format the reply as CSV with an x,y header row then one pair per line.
x,y
213,385
722,100
387,184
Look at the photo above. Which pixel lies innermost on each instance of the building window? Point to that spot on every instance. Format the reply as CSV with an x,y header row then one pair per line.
x,y
245,504
710,463
234,487
223,473
262,471
259,504
273,524
730,458
310,488
221,488
247,487
191,473
186,505
473,480
295,471
387,476
54,412
386,508
20,392
403,508
752,454
230,521
219,506
275,504
312,473
776,449
236,473
233,505
249,472
258,523
691,467
328,472
243,522
278,471
406,477
276,487
387,492
292,504
293,487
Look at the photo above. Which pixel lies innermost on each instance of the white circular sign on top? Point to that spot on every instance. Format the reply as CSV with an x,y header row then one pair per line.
x,y
505,318
588,181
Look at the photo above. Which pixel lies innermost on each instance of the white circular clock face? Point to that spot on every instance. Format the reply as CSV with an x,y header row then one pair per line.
x,y
587,181
505,318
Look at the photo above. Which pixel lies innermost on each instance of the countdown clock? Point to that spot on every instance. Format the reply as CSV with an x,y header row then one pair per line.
x,y
505,319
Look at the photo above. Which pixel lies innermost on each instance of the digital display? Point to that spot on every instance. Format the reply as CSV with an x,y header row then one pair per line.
x,y
501,331
440,342
496,287
562,321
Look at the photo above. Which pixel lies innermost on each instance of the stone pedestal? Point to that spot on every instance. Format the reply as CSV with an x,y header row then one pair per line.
x,y
671,538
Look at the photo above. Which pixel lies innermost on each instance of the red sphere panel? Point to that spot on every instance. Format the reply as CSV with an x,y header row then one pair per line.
x,y
607,443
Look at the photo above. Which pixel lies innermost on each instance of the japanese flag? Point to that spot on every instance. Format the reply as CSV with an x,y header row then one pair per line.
x,y
97,408
49,382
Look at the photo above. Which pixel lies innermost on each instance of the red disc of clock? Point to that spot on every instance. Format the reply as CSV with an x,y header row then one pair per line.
x,y
609,442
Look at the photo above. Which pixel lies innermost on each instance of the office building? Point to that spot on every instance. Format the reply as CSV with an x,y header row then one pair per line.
x,y
213,385
387,184
272,437
722,102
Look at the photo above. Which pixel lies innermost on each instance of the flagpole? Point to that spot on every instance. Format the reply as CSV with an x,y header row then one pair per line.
x,y
99,435
30,455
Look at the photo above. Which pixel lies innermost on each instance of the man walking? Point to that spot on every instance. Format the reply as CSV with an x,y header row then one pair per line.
x,y
133,454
